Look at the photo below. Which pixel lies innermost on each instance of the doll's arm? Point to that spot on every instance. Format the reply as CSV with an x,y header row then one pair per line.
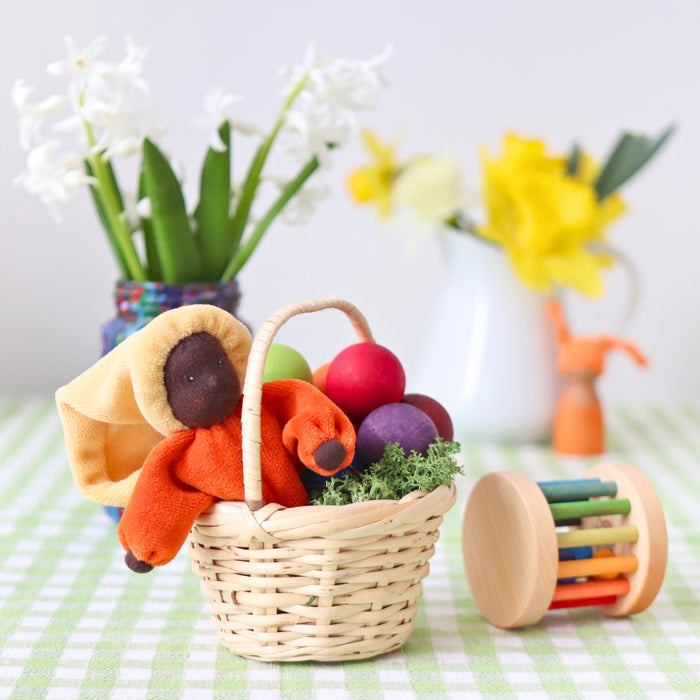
x,y
162,507
314,428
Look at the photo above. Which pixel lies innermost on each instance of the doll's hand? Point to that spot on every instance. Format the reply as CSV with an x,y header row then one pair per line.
x,y
315,430
140,567
330,455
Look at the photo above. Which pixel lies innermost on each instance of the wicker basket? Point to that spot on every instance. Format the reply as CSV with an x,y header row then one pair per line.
x,y
325,583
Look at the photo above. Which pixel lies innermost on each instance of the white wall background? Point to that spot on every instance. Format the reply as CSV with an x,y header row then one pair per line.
x,y
461,74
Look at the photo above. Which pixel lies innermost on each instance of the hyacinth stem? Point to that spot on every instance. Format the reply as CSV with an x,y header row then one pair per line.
x,y
122,234
105,189
250,186
244,252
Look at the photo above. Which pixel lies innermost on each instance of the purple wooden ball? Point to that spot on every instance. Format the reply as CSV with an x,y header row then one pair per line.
x,y
394,422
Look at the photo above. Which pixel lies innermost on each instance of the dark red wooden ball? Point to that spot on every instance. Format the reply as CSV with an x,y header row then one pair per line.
x,y
435,411
363,377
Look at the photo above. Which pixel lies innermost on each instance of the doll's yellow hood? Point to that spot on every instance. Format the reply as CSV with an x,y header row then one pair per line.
x,y
116,411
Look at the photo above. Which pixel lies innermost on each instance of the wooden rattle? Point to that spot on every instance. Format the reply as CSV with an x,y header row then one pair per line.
x,y
529,547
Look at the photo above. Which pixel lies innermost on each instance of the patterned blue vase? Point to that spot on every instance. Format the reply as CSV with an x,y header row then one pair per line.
x,y
140,302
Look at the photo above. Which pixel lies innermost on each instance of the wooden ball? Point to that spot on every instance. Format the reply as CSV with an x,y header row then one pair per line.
x,y
435,411
363,377
283,362
394,422
319,377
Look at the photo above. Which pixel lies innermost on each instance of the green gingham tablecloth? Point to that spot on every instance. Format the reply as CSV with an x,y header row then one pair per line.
x,y
76,623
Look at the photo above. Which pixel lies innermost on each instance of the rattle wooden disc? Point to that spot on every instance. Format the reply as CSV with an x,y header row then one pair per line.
x,y
509,547
651,547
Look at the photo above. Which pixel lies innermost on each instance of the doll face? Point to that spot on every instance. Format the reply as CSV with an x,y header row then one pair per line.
x,y
202,385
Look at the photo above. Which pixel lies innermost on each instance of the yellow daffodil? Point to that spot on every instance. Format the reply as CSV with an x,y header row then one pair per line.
x,y
373,183
549,213
544,218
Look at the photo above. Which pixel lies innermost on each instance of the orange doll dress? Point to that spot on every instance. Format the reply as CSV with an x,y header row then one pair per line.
x,y
193,468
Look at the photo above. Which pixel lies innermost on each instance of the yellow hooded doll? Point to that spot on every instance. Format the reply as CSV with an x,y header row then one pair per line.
x,y
155,426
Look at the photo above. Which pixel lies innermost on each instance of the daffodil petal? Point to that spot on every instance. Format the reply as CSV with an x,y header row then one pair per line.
x,y
530,270
358,186
576,268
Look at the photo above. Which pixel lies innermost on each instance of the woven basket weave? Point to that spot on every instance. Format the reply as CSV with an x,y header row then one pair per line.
x,y
325,583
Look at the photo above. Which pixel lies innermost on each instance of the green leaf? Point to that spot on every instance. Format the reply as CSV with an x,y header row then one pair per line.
x,y
155,270
574,161
107,223
629,155
174,242
247,194
214,234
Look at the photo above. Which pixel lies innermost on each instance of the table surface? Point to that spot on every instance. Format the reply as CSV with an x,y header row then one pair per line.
x,y
76,623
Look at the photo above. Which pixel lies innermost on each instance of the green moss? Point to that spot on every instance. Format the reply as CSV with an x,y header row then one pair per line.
x,y
394,476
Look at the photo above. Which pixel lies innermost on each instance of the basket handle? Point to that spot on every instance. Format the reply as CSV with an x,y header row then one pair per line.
x,y
252,385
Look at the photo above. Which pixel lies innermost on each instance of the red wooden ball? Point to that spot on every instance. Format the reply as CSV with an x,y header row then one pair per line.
x,y
363,377
435,411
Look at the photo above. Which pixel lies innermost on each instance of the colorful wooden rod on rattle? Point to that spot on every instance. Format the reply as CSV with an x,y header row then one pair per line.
x,y
531,547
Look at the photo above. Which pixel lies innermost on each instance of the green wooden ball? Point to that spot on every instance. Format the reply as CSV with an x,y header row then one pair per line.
x,y
283,362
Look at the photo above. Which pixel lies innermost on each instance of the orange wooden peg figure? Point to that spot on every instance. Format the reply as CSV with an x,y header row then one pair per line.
x,y
578,422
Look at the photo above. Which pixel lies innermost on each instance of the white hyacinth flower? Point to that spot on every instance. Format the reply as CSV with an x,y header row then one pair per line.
x,y
330,93
246,128
302,206
80,64
55,180
110,101
298,74
217,110
33,116
116,104
134,210
116,125
348,86
107,104
128,71
307,133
